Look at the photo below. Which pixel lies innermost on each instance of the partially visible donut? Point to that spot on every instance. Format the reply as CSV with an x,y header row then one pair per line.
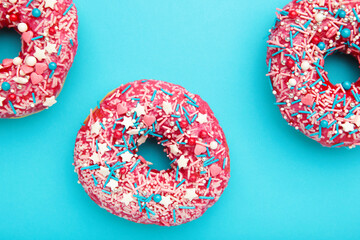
x,y
122,182
31,82
305,33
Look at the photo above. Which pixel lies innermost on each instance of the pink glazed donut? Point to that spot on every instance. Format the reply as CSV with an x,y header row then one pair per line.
x,y
305,33
31,82
119,180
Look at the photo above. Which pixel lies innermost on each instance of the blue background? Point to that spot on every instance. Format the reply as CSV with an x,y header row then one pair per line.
x,y
283,185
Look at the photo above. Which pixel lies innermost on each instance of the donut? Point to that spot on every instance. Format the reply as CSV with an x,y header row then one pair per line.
x,y
123,182
31,82
305,34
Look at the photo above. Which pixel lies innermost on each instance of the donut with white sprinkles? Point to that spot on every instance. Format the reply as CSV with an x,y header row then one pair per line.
x,y
30,82
122,182
306,32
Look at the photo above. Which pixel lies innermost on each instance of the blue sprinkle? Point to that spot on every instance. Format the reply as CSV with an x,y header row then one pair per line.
x,y
356,46
356,15
345,33
193,119
95,181
68,9
193,104
52,73
170,94
153,96
12,107
28,4
102,125
205,197
71,42
36,12
337,145
209,182
177,123
135,165
107,192
186,207
188,97
33,96
5,86
278,52
177,173
224,163
148,173
36,38
127,88
174,215
182,181
59,51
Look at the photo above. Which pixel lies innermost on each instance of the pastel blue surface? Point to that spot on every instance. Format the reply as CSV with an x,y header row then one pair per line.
x,y
283,185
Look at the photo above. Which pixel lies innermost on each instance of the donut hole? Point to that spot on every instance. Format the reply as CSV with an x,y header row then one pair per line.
x,y
153,152
10,42
342,67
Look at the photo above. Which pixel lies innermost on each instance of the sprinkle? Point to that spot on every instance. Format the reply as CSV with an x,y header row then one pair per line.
x,y
177,173
209,163
71,42
133,168
337,145
204,197
278,52
33,96
28,4
107,192
127,88
209,182
95,181
323,116
193,104
148,173
182,181
356,15
36,38
68,9
177,123
12,107
102,125
188,97
59,51
153,96
92,167
170,94
186,207
193,119
355,131
224,162
174,215
274,46
52,73
355,46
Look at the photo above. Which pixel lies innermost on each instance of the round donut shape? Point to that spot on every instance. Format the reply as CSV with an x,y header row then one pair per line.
x,y
31,82
122,182
305,34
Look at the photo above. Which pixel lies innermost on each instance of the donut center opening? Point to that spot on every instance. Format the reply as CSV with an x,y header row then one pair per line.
x,y
342,67
10,42
154,153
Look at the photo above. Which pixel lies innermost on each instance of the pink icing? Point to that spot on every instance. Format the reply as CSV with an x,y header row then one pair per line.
x,y
193,176
31,96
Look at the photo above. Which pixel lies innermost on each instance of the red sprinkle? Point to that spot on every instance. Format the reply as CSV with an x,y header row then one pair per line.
x,y
14,18
292,14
